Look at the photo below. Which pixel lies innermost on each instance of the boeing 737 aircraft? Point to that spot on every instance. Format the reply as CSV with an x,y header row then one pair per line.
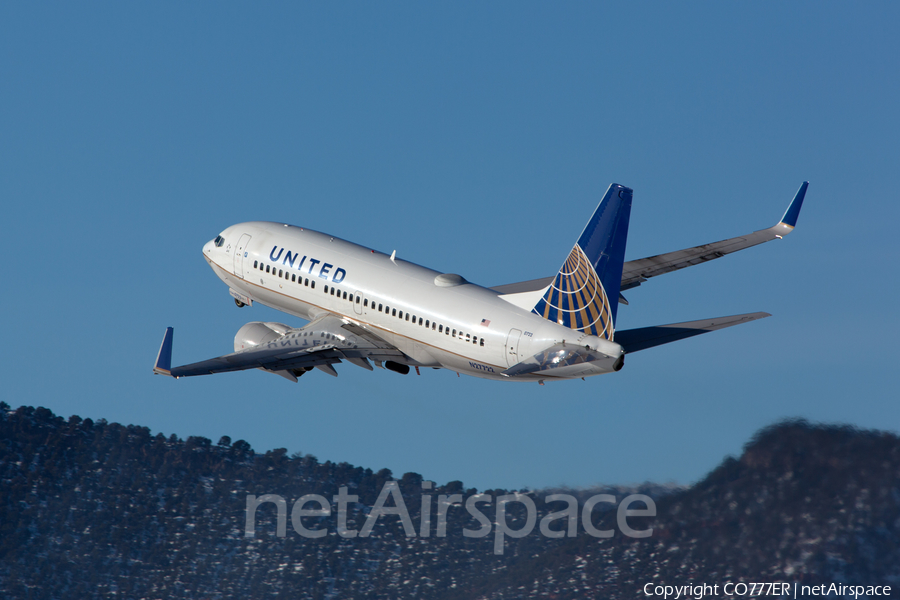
x,y
366,307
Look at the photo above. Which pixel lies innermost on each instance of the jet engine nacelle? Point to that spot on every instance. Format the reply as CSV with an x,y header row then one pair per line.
x,y
255,333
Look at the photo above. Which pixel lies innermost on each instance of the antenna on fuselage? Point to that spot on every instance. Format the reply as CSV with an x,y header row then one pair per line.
x,y
393,255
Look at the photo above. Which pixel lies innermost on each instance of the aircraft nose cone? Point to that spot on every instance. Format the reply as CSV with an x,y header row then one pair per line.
x,y
208,246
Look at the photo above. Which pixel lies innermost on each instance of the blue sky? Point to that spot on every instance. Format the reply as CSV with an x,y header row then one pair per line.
x,y
472,138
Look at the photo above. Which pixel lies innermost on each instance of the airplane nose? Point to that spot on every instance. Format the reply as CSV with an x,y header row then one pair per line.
x,y
208,246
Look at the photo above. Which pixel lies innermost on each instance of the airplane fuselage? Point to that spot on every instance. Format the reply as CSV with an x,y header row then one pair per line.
x,y
366,307
435,319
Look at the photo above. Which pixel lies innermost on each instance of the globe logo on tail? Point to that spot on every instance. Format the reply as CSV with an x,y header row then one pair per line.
x,y
576,298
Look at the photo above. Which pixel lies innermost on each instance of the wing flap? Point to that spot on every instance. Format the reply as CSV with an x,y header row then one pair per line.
x,y
638,271
255,359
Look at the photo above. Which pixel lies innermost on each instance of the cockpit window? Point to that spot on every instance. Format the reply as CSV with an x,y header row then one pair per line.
x,y
219,241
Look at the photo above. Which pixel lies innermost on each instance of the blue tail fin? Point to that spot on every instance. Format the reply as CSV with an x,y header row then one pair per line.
x,y
585,293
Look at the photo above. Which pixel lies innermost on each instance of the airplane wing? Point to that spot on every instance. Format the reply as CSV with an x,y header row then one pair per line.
x,y
642,338
636,272
320,344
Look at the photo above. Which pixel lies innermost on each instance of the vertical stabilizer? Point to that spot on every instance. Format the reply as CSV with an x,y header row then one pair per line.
x,y
584,294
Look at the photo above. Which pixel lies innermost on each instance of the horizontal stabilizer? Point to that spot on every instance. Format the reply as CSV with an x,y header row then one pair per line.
x,y
642,338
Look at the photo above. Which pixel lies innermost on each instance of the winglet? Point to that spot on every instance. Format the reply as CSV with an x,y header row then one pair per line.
x,y
793,211
163,365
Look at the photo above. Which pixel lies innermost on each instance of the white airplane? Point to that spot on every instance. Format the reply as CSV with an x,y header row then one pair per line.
x,y
366,307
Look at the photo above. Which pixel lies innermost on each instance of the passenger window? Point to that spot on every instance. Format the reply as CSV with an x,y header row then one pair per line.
x,y
357,299
293,277
379,307
325,289
280,273
427,323
454,333
366,303
255,263
440,329
394,314
306,282
267,268
345,297
467,337
312,285
481,343
401,314
332,293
